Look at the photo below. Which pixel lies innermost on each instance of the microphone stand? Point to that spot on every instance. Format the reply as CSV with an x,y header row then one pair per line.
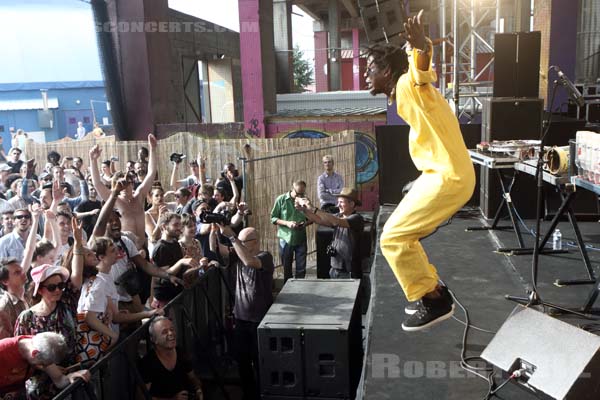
x,y
533,298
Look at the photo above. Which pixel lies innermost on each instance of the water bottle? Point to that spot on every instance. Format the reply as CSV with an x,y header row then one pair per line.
x,y
557,240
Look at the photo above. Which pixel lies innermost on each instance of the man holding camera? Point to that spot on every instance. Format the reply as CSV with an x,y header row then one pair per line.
x,y
344,249
253,297
291,231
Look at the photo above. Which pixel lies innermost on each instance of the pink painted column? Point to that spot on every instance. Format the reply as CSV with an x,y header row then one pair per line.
x,y
321,62
355,59
257,61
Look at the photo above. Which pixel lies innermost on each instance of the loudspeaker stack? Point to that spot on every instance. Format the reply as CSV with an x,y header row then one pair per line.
x,y
310,341
383,20
515,110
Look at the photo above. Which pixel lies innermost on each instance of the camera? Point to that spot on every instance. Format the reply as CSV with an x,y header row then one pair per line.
x,y
177,157
223,218
114,159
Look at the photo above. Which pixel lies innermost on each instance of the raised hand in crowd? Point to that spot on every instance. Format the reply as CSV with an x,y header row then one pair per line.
x,y
201,160
152,142
36,210
31,166
95,152
57,195
77,232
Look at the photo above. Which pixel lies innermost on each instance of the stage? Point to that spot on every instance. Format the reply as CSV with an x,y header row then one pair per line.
x,y
426,365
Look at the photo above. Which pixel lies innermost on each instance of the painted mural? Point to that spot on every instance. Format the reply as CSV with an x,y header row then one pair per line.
x,y
367,163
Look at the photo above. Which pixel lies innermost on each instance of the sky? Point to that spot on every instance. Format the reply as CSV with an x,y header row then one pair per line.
x,y
36,47
204,9
55,40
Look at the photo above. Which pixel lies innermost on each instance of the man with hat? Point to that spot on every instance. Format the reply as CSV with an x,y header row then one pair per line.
x,y
348,226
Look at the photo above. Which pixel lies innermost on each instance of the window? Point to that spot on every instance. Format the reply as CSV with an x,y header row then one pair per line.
x,y
216,91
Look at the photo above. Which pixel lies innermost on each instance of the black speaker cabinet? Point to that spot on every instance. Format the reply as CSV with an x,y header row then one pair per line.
x,y
310,341
507,118
396,168
383,20
517,64
558,360
523,194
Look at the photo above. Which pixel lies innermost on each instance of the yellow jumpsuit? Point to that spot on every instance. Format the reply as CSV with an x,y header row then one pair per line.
x,y
446,183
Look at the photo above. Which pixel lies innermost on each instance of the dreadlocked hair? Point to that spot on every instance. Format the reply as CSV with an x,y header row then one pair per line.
x,y
389,55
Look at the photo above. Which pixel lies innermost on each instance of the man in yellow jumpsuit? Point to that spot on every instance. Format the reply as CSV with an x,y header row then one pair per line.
x,y
447,176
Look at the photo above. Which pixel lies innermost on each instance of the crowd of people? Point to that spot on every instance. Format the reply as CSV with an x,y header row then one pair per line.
x,y
88,251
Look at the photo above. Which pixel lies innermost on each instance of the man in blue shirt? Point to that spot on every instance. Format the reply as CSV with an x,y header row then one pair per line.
x,y
13,244
329,184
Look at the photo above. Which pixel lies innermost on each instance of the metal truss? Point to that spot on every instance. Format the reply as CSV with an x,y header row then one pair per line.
x,y
470,22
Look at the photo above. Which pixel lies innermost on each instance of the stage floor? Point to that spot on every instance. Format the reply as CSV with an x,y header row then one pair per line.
x,y
425,365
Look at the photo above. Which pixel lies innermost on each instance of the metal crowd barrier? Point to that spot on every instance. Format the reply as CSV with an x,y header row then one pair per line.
x,y
202,315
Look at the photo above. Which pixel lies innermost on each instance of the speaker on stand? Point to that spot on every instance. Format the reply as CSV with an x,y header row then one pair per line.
x,y
383,20
517,64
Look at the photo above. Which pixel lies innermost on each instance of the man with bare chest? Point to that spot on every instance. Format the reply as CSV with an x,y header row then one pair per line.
x,y
130,202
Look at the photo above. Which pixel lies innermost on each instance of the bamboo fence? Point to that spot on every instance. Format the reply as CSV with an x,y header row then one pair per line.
x,y
269,166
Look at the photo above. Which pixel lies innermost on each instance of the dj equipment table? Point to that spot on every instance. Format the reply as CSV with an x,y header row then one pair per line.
x,y
567,192
504,168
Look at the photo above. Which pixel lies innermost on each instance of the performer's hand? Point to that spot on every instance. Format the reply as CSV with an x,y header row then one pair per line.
x,y
413,32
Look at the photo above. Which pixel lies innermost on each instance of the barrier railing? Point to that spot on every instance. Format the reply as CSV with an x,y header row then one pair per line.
x,y
201,315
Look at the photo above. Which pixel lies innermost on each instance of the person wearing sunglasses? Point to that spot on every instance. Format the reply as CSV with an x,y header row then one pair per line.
x,y
328,184
55,295
13,244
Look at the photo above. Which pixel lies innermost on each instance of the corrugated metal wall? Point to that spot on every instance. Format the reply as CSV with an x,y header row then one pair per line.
x,y
588,42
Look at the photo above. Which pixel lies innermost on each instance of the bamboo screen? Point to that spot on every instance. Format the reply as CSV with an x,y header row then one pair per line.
x,y
271,165
274,173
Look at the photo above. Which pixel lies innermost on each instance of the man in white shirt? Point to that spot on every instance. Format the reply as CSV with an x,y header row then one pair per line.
x,y
80,130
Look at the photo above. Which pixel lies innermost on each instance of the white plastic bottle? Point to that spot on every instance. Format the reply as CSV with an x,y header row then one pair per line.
x,y
557,240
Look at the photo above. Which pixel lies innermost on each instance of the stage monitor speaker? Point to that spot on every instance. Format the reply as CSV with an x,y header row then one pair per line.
x,y
310,341
508,118
383,20
517,64
558,360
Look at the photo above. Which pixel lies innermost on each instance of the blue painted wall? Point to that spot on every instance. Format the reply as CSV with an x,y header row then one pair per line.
x,y
68,98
